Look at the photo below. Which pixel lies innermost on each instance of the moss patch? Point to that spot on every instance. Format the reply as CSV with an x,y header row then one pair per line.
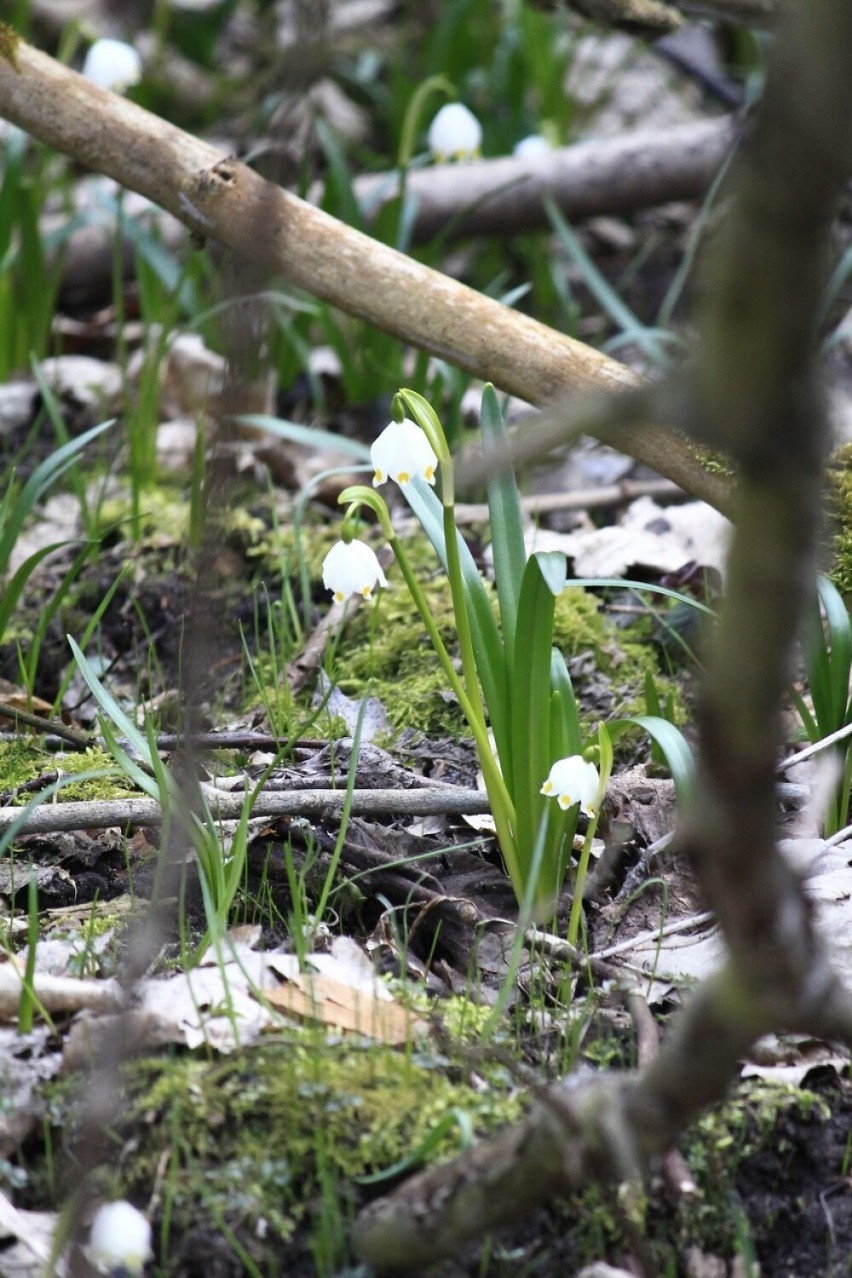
x,y
839,504
269,1143
385,652
92,759
21,761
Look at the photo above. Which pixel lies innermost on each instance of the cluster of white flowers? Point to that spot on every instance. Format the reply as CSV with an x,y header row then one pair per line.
x,y
456,134
401,452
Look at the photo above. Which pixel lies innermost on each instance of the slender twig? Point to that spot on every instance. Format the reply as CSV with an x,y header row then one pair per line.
x,y
54,726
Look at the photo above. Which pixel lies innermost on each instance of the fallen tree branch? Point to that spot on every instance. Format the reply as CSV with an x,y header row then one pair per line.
x,y
501,196
506,195
222,199
99,814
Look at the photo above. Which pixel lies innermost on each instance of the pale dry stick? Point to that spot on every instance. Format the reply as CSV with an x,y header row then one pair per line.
x,y
502,196
759,13
100,814
222,199
581,499
654,16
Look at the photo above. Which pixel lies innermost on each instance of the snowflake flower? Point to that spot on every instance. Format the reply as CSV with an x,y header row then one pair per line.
x,y
120,1241
401,452
351,568
571,781
455,134
112,64
532,146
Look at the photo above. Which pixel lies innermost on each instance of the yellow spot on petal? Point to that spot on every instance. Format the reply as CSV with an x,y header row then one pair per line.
x,y
403,477
338,596
430,473
379,478
547,788
367,592
564,800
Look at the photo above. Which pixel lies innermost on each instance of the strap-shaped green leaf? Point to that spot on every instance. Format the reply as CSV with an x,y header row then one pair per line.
x,y
673,744
504,509
839,654
565,736
487,644
544,578
45,474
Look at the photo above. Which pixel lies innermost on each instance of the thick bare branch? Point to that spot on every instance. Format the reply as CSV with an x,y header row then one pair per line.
x,y
608,175
224,200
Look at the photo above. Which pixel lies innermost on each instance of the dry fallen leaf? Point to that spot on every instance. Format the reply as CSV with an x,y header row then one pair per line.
x,y
321,998
343,992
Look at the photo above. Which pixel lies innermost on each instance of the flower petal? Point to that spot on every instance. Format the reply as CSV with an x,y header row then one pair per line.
x,y
120,1239
455,133
351,568
112,64
573,780
401,452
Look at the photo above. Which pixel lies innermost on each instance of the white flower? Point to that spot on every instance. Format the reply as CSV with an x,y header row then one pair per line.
x,y
455,134
120,1240
112,64
351,568
401,452
529,148
571,781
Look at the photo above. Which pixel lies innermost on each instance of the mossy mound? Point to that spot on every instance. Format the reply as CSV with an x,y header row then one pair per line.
x,y
267,1147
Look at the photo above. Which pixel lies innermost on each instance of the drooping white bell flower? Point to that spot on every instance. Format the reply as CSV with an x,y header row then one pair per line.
x,y
112,64
401,452
529,148
455,134
351,568
120,1240
573,780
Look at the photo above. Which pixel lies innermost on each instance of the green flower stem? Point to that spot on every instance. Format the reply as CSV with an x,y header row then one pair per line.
x,y
502,807
457,592
604,752
580,883
411,122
